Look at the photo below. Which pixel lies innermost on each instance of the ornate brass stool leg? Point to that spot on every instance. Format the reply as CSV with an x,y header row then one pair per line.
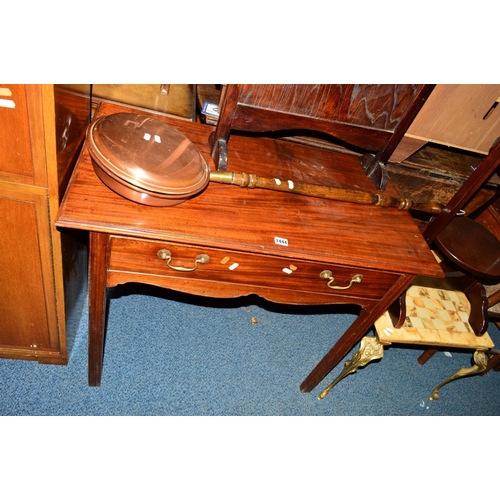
x,y
479,366
369,350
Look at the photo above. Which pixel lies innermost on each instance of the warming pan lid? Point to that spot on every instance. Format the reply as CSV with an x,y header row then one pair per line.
x,y
147,154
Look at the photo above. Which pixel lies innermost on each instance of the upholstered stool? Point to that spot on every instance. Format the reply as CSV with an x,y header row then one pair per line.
x,y
434,317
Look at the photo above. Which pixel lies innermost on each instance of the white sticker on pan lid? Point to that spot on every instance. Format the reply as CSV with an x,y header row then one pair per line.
x,y
7,103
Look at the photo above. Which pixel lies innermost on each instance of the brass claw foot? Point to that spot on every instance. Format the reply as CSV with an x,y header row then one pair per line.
x,y
480,363
369,350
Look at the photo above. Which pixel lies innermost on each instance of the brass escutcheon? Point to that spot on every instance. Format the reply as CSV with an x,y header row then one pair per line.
x,y
327,275
166,255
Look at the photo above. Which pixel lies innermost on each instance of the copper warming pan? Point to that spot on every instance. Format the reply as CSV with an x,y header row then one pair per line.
x,y
150,162
146,160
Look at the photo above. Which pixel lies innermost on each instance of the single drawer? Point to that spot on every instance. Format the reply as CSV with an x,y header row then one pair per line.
x,y
188,262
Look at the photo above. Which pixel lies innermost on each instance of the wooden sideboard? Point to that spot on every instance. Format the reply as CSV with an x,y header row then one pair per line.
x,y
41,269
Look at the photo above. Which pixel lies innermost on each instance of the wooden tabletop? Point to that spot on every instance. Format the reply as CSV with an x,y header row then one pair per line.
x,y
230,217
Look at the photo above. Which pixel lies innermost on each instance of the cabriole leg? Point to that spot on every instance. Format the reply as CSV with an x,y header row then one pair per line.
x,y
479,366
370,349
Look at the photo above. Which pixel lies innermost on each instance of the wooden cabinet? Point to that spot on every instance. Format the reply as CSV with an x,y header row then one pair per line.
x,y
370,118
42,131
172,99
460,116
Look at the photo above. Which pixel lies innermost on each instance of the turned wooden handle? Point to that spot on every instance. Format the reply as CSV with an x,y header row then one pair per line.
x,y
243,179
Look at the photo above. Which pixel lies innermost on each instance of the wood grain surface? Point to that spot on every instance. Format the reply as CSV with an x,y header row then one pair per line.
x,y
250,220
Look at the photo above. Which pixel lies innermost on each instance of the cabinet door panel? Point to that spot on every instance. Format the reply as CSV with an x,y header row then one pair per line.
x,y
16,161
461,116
27,314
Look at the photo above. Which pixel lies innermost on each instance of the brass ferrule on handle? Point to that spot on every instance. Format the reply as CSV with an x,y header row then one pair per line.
x,y
240,179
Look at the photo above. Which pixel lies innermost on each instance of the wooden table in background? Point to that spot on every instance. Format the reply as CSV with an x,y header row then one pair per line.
x,y
268,243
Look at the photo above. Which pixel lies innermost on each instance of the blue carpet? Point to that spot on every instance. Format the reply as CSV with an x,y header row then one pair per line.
x,y
172,354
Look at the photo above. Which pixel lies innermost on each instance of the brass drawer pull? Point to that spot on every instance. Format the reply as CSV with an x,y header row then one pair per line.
x,y
167,256
327,275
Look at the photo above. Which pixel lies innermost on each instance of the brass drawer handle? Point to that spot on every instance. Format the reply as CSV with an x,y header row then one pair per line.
x,y
167,256
327,275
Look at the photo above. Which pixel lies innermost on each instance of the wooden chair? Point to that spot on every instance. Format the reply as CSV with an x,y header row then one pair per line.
x,y
467,244
471,248
372,118
450,313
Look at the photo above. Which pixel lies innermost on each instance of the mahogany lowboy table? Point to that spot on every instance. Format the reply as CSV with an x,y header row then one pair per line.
x,y
273,244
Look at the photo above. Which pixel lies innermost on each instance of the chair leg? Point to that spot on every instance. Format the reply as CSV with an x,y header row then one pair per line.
x,y
494,299
426,355
493,361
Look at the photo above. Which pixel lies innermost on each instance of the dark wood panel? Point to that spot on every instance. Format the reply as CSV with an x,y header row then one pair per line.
x,y
253,119
378,106
72,115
